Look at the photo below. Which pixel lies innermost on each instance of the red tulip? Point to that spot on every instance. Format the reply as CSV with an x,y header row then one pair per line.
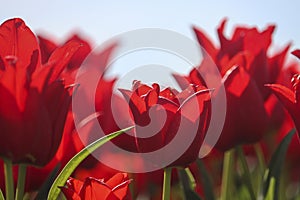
x,y
116,188
245,66
160,117
246,117
35,101
254,44
289,98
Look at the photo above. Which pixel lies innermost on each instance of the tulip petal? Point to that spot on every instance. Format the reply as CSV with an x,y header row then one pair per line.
x,y
236,80
94,189
188,107
285,95
80,54
276,63
47,47
61,57
16,39
139,88
205,43
135,102
152,97
296,53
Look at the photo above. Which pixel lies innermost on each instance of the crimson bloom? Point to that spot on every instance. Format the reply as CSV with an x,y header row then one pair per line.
x,y
253,44
162,115
290,97
35,101
116,188
245,67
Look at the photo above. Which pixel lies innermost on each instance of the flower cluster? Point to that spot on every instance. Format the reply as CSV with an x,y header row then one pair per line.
x,y
39,135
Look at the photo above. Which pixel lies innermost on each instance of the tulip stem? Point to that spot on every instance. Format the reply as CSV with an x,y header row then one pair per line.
x,y
167,184
246,172
260,157
9,179
21,182
227,174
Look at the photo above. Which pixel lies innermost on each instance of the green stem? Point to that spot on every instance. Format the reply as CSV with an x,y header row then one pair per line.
x,y
167,184
246,172
206,181
1,195
9,179
260,157
227,175
21,182
192,181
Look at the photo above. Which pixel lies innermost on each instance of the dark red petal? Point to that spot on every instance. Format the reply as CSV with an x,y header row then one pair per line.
x,y
70,194
61,57
57,101
236,80
136,103
170,94
296,53
81,54
241,59
47,47
222,38
188,107
94,189
296,86
122,190
285,95
38,129
41,77
137,106
11,121
139,88
262,40
196,78
15,80
205,43
116,180
151,97
16,39
276,63
74,185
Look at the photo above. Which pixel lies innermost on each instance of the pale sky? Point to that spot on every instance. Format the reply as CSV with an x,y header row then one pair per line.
x,y
100,20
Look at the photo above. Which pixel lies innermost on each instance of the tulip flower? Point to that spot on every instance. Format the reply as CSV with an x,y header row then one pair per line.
x,y
162,114
35,101
98,189
290,97
254,44
245,69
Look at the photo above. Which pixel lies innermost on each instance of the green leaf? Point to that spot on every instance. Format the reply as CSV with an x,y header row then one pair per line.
x,y
188,191
275,167
77,159
44,189
206,181
1,195
191,178
271,190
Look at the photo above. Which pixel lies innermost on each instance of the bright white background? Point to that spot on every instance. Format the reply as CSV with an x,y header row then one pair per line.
x,y
100,20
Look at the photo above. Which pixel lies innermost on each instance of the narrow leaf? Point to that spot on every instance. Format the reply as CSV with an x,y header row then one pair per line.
x,y
276,165
188,192
206,181
77,159
44,189
271,190
1,195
